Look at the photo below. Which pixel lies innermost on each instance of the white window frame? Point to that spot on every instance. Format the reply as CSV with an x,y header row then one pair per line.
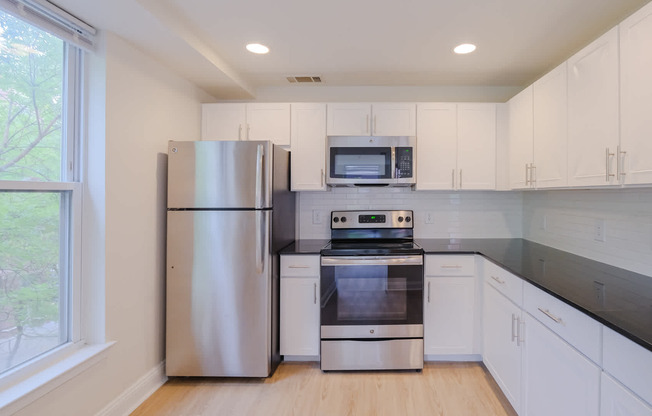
x,y
28,381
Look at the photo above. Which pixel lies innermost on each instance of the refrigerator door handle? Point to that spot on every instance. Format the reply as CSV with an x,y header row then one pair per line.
x,y
259,176
261,232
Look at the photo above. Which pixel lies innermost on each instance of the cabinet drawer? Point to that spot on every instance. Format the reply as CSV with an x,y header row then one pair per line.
x,y
578,329
505,282
628,362
299,265
447,265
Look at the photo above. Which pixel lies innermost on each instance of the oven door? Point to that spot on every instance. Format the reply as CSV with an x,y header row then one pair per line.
x,y
360,165
371,297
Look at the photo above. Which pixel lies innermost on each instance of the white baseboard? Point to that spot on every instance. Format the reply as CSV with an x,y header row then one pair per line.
x,y
135,395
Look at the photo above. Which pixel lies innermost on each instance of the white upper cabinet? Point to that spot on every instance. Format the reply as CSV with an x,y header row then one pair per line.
x,y
521,138
593,119
476,146
461,138
252,121
636,97
223,121
550,148
308,147
436,141
364,119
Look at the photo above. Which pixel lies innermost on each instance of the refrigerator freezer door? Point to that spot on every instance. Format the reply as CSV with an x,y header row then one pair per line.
x,y
220,174
219,294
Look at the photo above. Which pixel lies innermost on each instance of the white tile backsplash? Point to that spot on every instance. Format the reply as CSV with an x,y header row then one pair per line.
x,y
472,214
570,218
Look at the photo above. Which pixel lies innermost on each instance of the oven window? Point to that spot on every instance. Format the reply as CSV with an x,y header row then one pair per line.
x,y
371,294
361,162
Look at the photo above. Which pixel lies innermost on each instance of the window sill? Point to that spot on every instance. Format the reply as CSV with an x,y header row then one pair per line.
x,y
24,392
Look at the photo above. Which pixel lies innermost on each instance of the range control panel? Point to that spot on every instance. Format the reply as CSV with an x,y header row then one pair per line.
x,y
371,219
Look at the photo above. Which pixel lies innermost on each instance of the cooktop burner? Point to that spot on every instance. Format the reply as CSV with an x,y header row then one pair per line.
x,y
368,233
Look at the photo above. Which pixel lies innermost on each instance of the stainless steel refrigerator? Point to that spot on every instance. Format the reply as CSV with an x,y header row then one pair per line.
x,y
230,211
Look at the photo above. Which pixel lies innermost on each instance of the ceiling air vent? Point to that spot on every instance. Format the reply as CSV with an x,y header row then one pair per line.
x,y
304,79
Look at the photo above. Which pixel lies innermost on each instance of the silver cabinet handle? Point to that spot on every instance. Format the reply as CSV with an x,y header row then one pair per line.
x,y
375,125
428,292
460,178
315,292
259,176
367,123
527,174
499,280
533,175
240,131
514,327
453,179
520,338
450,266
298,267
551,316
322,178
248,130
620,169
607,156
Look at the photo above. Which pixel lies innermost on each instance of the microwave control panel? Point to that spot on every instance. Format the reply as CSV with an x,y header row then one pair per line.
x,y
404,157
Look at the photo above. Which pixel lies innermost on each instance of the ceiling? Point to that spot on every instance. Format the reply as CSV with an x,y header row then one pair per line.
x,y
355,42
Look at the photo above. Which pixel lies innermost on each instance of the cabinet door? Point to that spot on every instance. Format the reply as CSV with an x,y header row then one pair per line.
x,y
224,122
394,119
521,134
476,146
593,120
558,380
269,122
502,352
299,317
551,129
615,400
635,96
308,147
348,119
448,316
436,140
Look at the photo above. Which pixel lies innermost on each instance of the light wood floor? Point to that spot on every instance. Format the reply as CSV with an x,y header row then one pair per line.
x,y
301,389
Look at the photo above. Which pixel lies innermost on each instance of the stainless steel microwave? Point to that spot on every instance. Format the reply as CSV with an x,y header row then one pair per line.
x,y
371,161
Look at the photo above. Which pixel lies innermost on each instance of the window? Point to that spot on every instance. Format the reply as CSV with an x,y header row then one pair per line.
x,y
40,192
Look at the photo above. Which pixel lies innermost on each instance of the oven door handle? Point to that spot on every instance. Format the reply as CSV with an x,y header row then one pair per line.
x,y
372,261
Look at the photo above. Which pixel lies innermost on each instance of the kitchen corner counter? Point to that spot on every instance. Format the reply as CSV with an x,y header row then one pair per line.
x,y
618,298
305,247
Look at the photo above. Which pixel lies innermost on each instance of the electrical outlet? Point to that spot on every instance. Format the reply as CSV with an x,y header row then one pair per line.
x,y
316,216
599,231
430,218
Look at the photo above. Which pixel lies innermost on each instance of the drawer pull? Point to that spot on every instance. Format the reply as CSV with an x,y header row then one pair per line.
x,y
551,316
298,267
499,280
450,266
514,327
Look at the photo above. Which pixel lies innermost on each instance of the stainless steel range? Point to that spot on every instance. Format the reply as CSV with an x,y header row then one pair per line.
x,y
371,293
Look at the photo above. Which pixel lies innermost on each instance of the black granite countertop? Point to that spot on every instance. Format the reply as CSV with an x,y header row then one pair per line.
x,y
626,304
626,301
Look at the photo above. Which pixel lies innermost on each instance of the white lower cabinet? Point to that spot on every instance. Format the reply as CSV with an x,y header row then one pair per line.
x,y
502,345
558,379
448,315
616,400
299,305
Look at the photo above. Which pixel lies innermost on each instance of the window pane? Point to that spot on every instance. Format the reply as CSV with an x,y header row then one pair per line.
x,y
31,84
32,274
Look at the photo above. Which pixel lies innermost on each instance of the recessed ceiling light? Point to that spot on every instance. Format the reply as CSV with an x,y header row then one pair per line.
x,y
464,48
257,48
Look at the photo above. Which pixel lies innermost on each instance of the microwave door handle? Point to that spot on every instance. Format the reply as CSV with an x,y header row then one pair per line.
x,y
394,165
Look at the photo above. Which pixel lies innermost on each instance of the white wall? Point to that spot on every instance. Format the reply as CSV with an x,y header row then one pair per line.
x,y
146,105
570,217
473,214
